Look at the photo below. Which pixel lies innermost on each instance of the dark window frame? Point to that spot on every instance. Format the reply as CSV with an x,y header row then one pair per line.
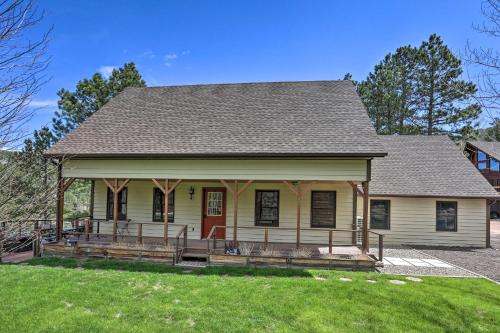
x,y
171,206
257,214
456,216
388,202
334,222
110,203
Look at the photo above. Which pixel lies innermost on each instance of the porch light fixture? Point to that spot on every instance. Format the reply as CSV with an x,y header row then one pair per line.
x,y
191,193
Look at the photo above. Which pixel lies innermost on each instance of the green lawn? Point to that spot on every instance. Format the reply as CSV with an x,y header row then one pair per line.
x,y
55,295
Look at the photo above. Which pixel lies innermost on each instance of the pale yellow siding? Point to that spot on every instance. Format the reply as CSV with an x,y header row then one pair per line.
x,y
354,170
413,221
188,212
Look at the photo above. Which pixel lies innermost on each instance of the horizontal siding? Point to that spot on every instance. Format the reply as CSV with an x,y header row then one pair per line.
x,y
413,222
331,170
188,212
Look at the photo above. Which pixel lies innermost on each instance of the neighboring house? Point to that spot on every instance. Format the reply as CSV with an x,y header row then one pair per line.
x,y
280,161
486,156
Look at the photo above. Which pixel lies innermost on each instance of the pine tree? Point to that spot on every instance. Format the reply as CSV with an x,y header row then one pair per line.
x,y
443,99
388,92
90,95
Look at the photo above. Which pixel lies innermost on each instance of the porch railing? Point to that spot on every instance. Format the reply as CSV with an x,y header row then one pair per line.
x,y
20,234
212,236
183,232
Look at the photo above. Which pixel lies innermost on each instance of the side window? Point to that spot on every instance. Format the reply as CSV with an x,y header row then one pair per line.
x,y
446,216
380,214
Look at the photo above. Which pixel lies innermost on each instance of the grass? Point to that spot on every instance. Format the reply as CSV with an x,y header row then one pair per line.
x,y
63,295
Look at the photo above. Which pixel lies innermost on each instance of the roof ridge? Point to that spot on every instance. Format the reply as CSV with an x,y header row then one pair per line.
x,y
243,83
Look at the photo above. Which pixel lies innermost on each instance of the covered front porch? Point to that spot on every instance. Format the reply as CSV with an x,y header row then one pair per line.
x,y
310,214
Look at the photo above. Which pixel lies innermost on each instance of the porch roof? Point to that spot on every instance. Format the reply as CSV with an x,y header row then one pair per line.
x,y
426,166
280,119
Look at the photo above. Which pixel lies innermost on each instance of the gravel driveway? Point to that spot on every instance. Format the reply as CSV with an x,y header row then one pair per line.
x,y
481,261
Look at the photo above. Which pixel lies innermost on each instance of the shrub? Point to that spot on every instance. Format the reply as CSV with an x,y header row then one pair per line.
x,y
302,252
246,248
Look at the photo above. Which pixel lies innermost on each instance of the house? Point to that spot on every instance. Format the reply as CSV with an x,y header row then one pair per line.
x,y
280,163
486,156
429,193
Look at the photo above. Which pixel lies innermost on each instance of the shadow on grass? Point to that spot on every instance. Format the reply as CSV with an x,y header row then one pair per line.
x,y
140,266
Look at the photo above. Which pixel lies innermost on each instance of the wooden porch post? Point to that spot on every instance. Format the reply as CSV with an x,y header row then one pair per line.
x,y
115,211
166,189
60,203
296,190
235,213
236,195
354,214
62,185
165,212
365,243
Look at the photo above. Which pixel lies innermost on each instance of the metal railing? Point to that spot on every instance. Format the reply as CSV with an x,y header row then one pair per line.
x,y
178,254
213,233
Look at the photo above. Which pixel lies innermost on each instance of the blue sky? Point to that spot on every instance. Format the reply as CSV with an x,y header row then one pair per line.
x,y
189,42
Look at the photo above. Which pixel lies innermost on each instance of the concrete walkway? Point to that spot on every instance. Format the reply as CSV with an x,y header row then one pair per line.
x,y
407,261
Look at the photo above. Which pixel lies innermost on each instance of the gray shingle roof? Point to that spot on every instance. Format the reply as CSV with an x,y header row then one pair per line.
x,y
490,148
426,166
323,118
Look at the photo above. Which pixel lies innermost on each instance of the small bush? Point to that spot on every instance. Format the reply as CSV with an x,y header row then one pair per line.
x,y
302,252
270,252
246,248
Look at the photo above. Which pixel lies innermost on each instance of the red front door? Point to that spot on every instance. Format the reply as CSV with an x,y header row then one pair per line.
x,y
214,211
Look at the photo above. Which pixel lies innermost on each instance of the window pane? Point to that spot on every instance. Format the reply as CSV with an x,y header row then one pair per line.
x,y
379,214
446,216
214,203
323,209
267,208
494,165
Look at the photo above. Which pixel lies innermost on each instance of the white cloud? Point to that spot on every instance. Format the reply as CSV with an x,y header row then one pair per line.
x,y
169,59
106,70
43,103
148,54
185,52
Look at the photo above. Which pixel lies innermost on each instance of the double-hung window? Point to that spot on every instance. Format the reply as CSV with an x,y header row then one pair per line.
x,y
267,208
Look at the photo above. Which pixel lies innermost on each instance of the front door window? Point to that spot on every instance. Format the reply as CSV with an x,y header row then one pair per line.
x,y
214,203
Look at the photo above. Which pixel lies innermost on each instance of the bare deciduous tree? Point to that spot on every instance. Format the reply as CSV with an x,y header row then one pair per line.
x,y
22,65
487,60
23,60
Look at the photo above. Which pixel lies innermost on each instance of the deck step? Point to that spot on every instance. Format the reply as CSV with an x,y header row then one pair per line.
x,y
195,250
194,255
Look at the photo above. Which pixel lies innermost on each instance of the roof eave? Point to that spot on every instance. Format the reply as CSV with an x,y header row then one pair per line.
x,y
216,155
443,196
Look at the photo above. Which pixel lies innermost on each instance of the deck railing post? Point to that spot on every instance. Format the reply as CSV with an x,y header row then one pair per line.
x,y
185,236
215,238
87,229
139,233
380,247
330,241
266,237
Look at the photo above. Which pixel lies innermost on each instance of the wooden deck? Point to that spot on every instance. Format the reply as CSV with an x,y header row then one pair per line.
x,y
153,249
